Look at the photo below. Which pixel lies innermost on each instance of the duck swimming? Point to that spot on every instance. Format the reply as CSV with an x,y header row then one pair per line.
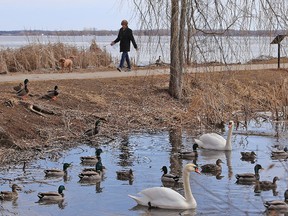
x,y
8,195
249,178
52,196
91,159
92,175
212,168
57,172
278,205
189,154
125,175
166,177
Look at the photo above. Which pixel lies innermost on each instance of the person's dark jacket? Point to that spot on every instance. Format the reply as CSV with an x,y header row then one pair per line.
x,y
125,36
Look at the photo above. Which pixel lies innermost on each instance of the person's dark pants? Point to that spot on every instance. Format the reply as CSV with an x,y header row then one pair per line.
x,y
124,57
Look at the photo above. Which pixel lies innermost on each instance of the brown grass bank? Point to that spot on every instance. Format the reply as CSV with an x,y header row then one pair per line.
x,y
130,105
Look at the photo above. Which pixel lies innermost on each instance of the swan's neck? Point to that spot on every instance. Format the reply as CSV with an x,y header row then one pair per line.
x,y
187,189
229,138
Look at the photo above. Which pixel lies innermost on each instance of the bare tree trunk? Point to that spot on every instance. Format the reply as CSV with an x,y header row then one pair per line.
x,y
175,72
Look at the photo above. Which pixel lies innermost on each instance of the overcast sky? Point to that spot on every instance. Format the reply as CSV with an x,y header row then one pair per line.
x,y
65,14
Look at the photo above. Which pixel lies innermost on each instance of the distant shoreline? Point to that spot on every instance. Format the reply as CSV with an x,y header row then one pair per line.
x,y
158,32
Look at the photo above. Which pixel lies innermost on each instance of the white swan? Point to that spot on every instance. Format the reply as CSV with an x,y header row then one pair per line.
x,y
167,198
215,141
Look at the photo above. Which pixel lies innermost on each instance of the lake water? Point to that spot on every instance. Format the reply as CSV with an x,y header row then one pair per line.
x,y
145,154
204,49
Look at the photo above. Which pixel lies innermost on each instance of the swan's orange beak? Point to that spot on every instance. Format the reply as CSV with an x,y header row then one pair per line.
x,y
197,170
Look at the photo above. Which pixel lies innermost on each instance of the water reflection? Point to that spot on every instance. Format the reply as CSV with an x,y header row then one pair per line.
x,y
126,154
162,212
175,139
61,203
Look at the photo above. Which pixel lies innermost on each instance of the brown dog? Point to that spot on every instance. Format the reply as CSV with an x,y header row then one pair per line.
x,y
66,63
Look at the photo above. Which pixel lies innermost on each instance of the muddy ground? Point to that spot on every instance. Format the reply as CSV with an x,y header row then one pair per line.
x,y
124,105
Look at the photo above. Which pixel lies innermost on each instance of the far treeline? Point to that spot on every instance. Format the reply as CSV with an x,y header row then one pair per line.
x,y
158,32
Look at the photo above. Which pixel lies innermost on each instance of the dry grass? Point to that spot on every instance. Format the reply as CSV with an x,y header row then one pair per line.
x,y
38,57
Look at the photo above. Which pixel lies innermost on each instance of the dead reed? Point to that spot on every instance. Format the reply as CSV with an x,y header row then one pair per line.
x,y
36,56
236,95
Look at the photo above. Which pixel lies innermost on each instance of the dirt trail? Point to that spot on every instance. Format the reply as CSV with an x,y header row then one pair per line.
x,y
114,74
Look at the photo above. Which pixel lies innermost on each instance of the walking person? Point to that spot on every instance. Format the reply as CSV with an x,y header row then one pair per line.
x,y
125,36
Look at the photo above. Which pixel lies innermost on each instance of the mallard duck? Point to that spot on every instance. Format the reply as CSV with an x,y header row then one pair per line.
x,y
249,178
214,141
278,205
280,154
95,130
268,185
51,94
212,168
166,177
189,154
8,195
92,175
18,87
52,196
248,156
125,174
91,159
23,92
57,172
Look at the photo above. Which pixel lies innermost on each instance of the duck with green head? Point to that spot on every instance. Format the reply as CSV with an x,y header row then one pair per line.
x,y
19,87
51,94
57,172
95,130
8,195
189,154
52,196
91,159
168,177
92,175
249,178
22,93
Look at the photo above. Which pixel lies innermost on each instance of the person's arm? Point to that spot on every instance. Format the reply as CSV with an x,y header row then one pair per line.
x,y
133,40
117,39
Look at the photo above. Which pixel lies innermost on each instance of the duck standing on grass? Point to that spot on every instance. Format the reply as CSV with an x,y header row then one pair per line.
x,y
22,93
93,131
9,195
52,196
19,87
51,94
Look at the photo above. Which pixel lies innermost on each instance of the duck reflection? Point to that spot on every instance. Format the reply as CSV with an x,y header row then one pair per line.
x,y
126,155
61,203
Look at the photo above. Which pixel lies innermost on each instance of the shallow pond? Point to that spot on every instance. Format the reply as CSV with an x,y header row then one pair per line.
x,y
146,154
